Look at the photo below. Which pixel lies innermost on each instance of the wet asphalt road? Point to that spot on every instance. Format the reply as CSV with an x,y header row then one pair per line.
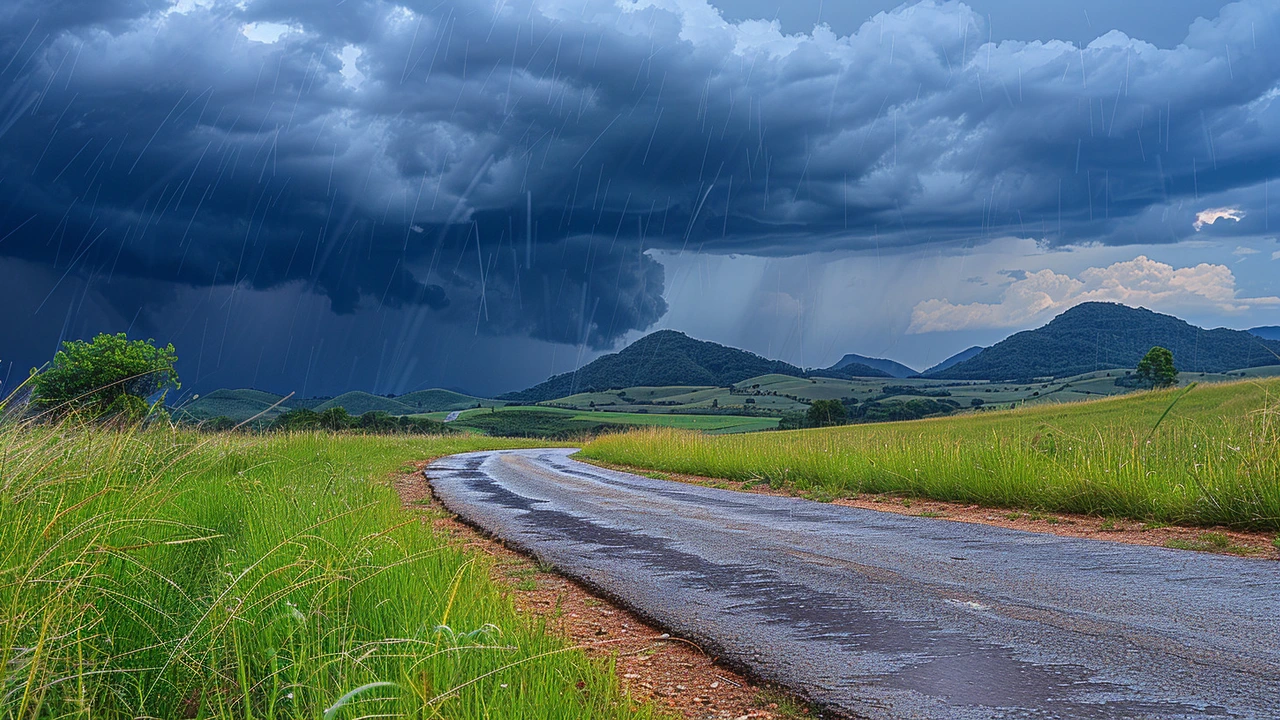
x,y
891,616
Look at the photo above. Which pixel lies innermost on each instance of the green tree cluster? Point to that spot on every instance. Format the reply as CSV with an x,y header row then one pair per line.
x,y
824,413
1156,369
109,378
337,419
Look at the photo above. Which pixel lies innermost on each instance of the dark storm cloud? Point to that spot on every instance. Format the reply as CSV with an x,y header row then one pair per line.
x,y
508,163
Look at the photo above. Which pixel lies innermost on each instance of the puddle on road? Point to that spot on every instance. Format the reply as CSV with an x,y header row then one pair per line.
x,y
885,652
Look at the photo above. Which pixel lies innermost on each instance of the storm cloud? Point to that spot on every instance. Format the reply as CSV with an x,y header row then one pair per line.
x,y
509,164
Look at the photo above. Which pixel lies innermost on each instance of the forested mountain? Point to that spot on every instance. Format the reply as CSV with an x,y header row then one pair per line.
x,y
1102,336
1270,332
665,358
954,360
891,367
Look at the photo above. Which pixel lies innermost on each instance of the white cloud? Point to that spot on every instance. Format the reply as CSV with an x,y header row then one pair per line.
x,y
1242,250
351,74
187,6
1138,282
1213,215
1275,255
265,32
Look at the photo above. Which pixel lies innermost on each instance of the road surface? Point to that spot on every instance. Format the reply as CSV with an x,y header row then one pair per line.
x,y
892,616
452,416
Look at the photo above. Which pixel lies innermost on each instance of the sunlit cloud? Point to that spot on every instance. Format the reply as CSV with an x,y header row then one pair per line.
x,y
1213,215
1139,282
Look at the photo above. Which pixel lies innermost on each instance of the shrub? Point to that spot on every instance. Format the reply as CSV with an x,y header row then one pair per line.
x,y
111,377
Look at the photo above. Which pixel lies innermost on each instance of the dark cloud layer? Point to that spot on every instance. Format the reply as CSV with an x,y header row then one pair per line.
x,y
505,165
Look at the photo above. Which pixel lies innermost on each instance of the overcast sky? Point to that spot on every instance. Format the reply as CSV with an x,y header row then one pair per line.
x,y
322,196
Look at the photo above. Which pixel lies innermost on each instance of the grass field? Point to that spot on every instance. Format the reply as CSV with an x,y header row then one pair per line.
x,y
171,574
1214,459
715,424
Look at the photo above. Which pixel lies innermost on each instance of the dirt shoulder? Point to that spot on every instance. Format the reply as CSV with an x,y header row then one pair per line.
x,y
672,673
1214,539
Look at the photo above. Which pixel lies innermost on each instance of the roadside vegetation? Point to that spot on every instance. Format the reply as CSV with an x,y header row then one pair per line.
x,y
1207,455
167,573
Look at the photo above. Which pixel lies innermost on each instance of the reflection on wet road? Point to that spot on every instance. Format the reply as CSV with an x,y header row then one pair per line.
x,y
891,616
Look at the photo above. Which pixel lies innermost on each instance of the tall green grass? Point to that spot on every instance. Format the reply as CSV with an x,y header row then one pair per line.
x,y
1213,458
169,574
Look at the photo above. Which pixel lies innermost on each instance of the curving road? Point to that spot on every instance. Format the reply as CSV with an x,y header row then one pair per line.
x,y
891,616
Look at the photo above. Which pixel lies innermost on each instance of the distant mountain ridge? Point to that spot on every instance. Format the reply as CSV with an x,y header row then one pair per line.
x,y
954,360
1268,332
1104,336
892,367
665,358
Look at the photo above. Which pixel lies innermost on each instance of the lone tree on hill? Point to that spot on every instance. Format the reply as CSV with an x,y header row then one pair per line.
x,y
1156,368
111,377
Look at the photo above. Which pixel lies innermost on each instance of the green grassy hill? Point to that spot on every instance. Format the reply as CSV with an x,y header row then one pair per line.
x,y
239,405
435,400
359,403
1211,458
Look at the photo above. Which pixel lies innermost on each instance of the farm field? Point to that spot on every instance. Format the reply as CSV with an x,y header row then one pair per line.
x,y
571,419
779,394
176,574
760,402
1210,456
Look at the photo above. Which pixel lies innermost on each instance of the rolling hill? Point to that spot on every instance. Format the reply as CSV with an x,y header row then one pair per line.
x,y
242,404
359,403
954,360
239,405
891,367
1102,336
665,358
436,400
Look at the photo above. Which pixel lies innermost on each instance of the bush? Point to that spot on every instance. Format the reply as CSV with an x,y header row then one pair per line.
x,y
111,377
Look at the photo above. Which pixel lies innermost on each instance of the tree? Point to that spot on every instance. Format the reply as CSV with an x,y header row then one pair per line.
x,y
376,421
826,412
336,418
1156,369
977,402
297,419
110,377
